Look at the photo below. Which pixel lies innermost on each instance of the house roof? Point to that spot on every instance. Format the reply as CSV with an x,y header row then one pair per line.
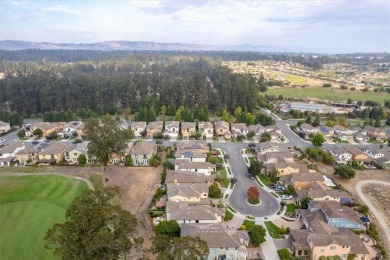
x,y
184,146
156,125
307,176
222,124
185,125
266,145
170,124
197,213
307,126
299,238
187,177
256,128
140,124
319,191
143,148
340,128
190,153
53,148
239,126
214,234
188,190
4,123
81,147
353,150
204,125
338,150
11,147
28,150
184,164
334,209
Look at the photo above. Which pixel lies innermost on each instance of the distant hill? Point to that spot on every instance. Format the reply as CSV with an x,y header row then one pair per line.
x,y
142,46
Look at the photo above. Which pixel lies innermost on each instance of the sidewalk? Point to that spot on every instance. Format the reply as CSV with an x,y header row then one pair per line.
x,y
268,247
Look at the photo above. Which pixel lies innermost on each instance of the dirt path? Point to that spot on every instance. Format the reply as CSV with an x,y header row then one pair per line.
x,y
379,216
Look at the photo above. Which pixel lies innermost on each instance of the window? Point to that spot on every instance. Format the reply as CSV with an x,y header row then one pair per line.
x,y
322,250
344,256
332,248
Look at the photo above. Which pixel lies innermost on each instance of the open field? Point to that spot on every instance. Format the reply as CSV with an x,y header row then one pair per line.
x,y
328,94
29,206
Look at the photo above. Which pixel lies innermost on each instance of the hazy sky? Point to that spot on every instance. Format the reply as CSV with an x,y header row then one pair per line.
x,y
326,26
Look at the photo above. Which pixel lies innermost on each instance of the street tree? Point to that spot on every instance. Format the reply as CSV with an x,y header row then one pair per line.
x,y
38,132
96,227
255,168
318,140
257,235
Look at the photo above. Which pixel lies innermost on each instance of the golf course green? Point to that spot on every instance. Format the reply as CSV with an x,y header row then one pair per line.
x,y
29,206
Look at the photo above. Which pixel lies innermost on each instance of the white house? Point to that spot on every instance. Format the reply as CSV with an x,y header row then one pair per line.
x,y
239,129
171,129
73,152
4,127
206,128
138,129
309,129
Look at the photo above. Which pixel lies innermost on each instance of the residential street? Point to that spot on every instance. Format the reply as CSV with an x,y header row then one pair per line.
x,y
269,204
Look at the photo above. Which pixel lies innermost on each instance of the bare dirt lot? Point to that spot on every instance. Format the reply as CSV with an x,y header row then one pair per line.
x,y
379,195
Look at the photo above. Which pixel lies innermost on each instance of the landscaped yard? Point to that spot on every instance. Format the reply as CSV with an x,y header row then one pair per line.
x,y
272,229
222,178
29,206
249,223
228,215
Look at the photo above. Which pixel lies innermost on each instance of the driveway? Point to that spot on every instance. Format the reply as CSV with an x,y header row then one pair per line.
x,y
237,199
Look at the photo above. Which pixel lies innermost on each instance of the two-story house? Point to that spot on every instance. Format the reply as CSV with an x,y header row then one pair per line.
x,y
266,147
309,129
206,129
142,152
8,153
222,129
4,127
285,168
73,152
332,213
344,133
358,155
304,179
139,129
28,155
322,240
182,177
376,133
191,212
191,192
171,129
321,192
340,155
256,129
52,154
154,128
188,130
239,129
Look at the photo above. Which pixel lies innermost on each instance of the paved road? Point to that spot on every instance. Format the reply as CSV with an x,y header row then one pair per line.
x,y
9,138
366,201
237,199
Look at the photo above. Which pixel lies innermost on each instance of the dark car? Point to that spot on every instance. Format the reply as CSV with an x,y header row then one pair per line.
x,y
273,185
159,142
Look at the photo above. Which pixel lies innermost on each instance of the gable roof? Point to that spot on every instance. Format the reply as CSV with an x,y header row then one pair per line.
x,y
186,177
307,176
143,148
188,190
140,124
53,148
184,164
213,234
11,148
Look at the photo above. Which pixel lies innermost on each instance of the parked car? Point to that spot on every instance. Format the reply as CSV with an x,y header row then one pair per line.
x,y
286,197
2,141
273,185
159,142
280,188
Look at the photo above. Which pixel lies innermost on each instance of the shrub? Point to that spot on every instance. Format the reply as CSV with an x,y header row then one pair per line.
x,y
214,191
169,228
257,235
285,254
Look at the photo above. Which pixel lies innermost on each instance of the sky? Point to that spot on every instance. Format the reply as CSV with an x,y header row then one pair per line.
x,y
331,26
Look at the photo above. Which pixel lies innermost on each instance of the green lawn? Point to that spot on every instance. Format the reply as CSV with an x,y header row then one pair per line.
x,y
328,94
249,223
272,229
222,178
96,180
228,215
265,179
29,206
291,208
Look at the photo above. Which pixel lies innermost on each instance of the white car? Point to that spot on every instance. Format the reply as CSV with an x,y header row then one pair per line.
x,y
2,141
286,197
